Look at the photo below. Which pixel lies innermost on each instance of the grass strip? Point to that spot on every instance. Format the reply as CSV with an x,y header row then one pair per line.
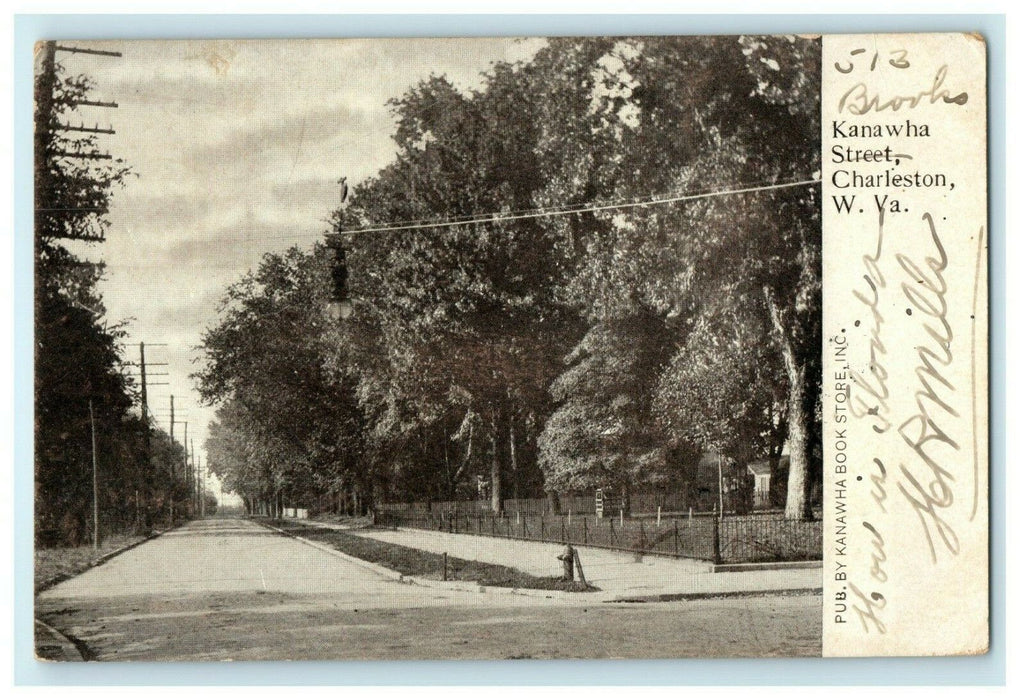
x,y
417,562
61,563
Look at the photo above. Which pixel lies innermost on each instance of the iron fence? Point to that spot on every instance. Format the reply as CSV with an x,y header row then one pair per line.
x,y
641,503
734,539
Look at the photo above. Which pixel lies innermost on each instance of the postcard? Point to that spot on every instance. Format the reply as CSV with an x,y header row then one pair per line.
x,y
495,348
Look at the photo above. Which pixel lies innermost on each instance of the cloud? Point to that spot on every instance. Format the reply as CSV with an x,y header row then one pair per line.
x,y
237,146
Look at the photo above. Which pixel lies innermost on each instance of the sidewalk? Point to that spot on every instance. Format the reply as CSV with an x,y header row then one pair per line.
x,y
619,574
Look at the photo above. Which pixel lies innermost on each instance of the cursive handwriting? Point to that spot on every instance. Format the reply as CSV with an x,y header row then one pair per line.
x,y
867,607
878,493
877,555
929,495
870,394
858,100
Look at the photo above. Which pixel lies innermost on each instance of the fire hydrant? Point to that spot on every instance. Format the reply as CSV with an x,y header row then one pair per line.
x,y
568,563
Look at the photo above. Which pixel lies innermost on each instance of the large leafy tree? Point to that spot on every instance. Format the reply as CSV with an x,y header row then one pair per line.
x,y
604,433
469,313
288,428
713,122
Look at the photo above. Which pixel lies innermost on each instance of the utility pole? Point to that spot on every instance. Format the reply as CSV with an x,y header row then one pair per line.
x,y
194,477
145,383
142,391
203,492
96,504
186,470
44,125
142,398
146,417
171,467
720,486
46,149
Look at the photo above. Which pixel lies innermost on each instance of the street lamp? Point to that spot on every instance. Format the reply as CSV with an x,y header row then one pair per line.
x,y
340,306
339,310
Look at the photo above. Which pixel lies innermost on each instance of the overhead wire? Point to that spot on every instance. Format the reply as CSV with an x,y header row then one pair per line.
x,y
534,213
563,211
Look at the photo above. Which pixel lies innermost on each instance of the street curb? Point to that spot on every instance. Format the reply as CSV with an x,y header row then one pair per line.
x,y
464,586
70,650
46,585
713,595
766,566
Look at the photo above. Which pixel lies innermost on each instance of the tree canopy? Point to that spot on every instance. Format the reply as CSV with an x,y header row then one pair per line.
x,y
601,260
79,363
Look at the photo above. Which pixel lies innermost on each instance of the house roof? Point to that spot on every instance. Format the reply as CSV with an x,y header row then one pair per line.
x,y
762,468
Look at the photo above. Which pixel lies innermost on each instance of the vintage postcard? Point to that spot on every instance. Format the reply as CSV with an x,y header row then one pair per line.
x,y
495,348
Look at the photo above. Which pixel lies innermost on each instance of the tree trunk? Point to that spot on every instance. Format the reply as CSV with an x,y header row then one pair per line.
x,y
797,499
497,470
553,501
513,460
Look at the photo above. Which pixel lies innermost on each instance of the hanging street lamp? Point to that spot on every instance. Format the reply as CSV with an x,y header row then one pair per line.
x,y
340,306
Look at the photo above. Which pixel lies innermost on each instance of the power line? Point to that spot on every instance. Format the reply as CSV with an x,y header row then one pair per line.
x,y
572,208
540,212
495,218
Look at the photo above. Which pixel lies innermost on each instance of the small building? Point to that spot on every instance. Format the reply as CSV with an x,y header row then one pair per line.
x,y
762,472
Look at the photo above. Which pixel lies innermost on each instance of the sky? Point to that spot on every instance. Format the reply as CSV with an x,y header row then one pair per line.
x,y
236,149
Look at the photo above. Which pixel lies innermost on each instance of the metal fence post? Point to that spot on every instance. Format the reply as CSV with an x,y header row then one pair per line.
x,y
675,537
716,540
584,522
613,535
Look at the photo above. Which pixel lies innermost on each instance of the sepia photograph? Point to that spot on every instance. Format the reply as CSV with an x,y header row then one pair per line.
x,y
383,349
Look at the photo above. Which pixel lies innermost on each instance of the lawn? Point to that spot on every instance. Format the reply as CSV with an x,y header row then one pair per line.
x,y
416,562
59,563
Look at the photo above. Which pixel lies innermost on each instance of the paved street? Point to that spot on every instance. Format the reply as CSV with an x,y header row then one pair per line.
x,y
231,589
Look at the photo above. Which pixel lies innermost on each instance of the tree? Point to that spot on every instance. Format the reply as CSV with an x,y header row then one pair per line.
x,y
725,388
468,312
693,116
287,427
77,354
453,362
603,433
